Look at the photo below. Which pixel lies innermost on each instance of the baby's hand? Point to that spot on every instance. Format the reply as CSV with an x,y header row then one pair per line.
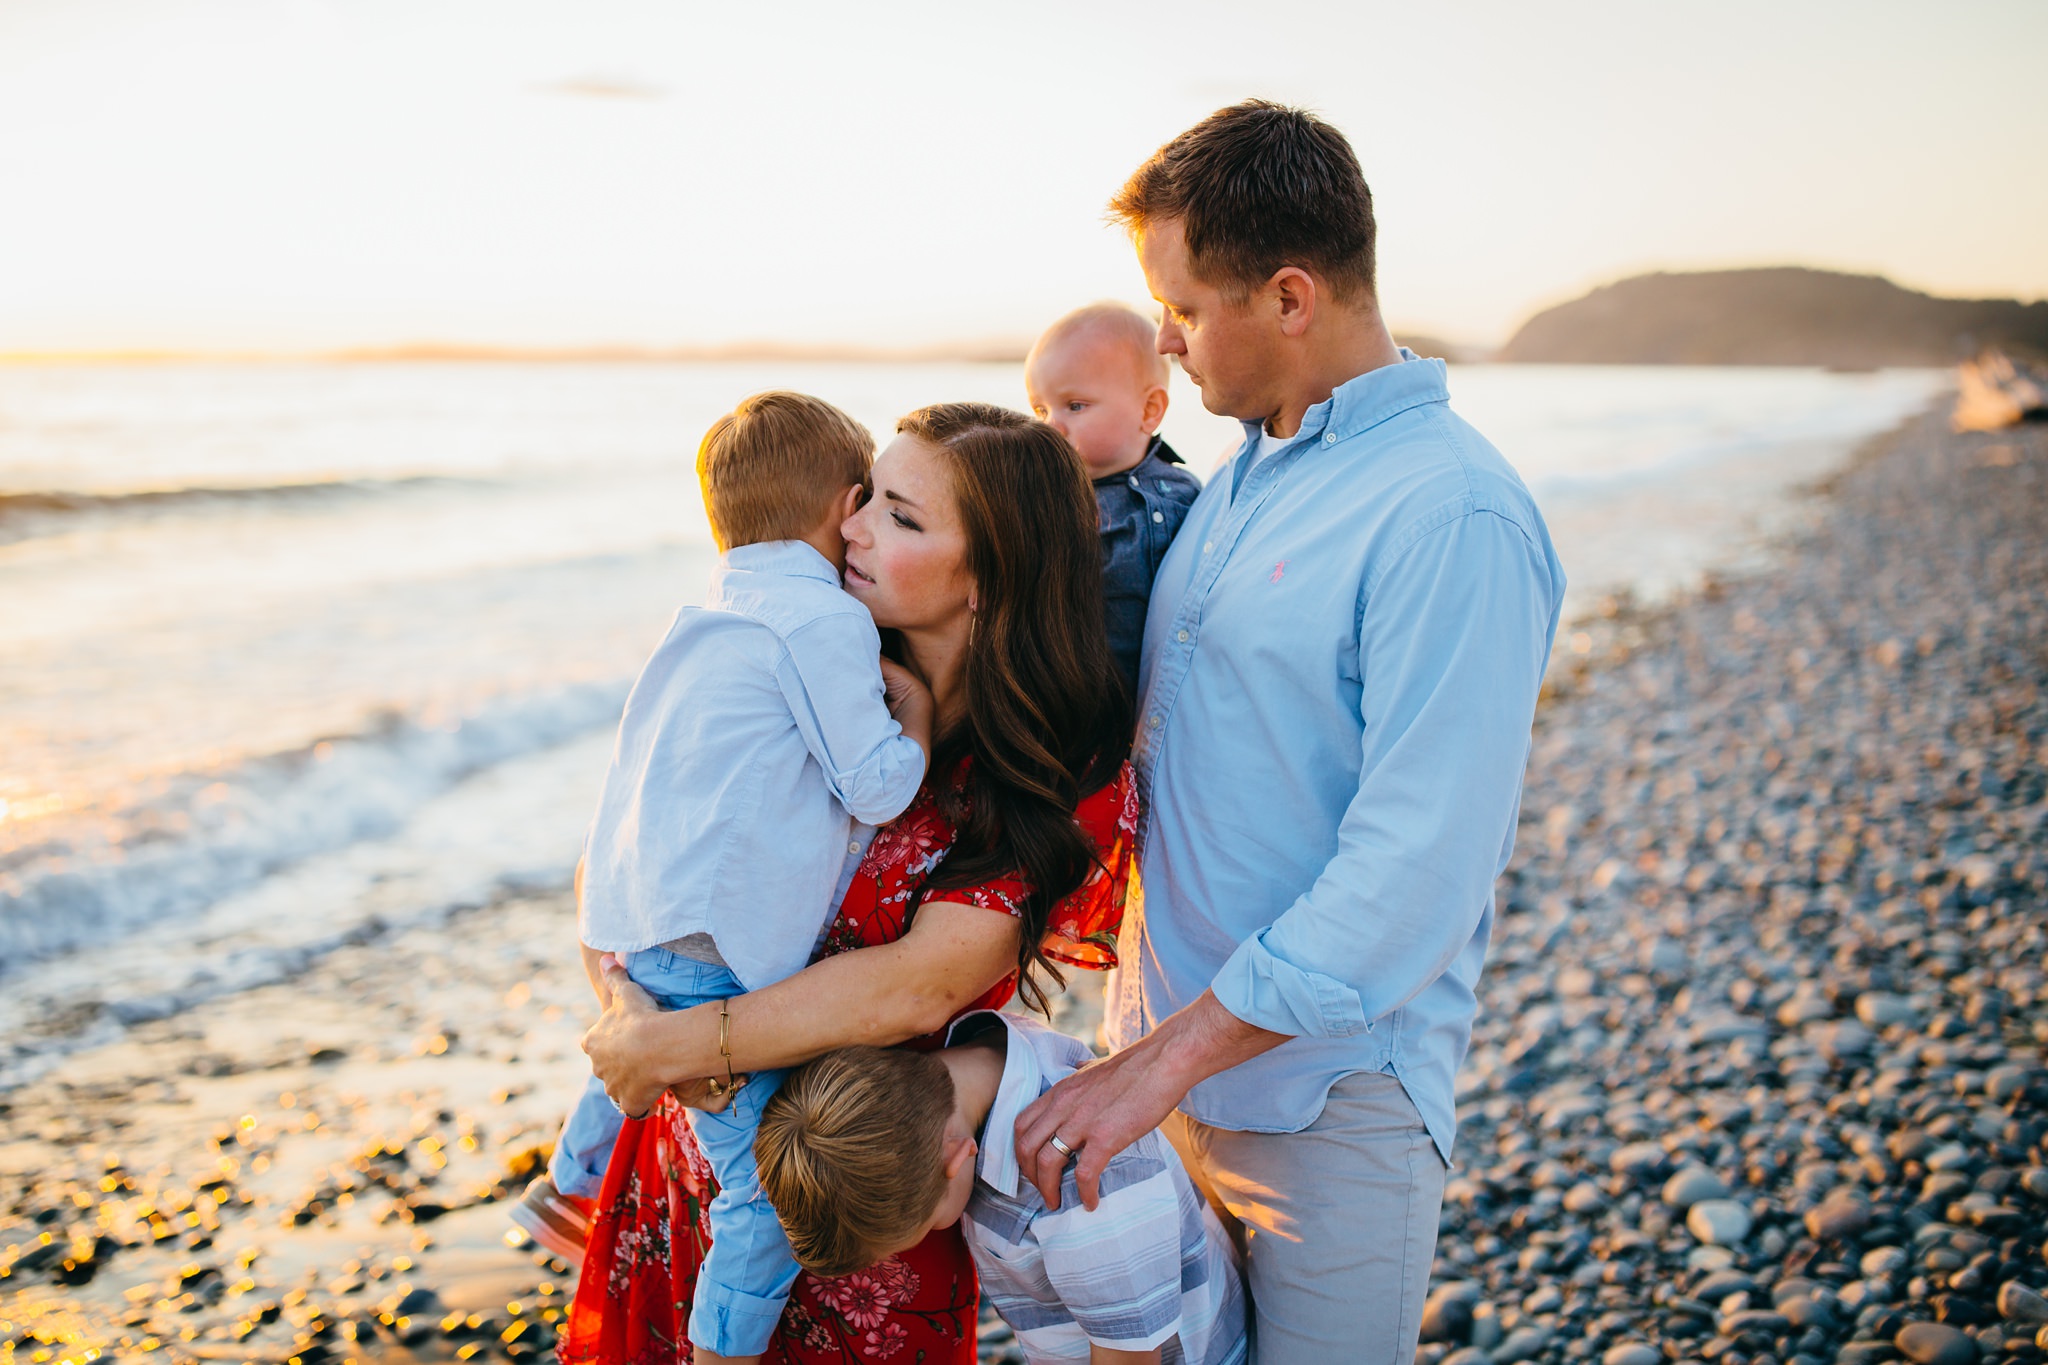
x,y
901,688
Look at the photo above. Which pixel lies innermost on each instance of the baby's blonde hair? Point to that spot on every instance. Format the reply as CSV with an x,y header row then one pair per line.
x,y
1121,323
851,1152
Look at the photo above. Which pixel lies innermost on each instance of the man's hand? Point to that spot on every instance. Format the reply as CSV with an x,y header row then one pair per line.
x,y
619,1055
1105,1107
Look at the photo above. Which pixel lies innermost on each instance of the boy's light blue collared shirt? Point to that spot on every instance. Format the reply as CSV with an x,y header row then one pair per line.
x,y
755,738
1341,664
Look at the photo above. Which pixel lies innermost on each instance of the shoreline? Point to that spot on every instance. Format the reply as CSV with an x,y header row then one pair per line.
x,y
1839,993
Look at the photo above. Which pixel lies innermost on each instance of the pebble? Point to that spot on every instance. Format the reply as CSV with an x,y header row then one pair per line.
x,y
1936,1343
2017,1303
2003,1083
1447,1313
1709,1258
1692,1185
1719,1285
1722,1222
1639,1159
1524,1343
1881,1009
1632,1353
1584,1197
1948,1157
1838,1217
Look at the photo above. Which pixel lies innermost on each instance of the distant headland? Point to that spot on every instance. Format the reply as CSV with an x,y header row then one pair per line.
x,y
1785,315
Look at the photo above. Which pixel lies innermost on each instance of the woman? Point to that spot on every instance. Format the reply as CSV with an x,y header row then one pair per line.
x,y
977,552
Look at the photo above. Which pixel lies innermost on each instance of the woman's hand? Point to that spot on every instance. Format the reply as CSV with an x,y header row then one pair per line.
x,y
620,1055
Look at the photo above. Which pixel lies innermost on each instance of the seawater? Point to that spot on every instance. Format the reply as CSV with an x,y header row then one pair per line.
x,y
292,653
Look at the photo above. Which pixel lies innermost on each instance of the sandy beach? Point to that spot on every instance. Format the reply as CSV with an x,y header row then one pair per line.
x,y
1757,1080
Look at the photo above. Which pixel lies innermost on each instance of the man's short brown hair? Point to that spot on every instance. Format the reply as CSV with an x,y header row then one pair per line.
x,y
773,466
851,1152
1256,187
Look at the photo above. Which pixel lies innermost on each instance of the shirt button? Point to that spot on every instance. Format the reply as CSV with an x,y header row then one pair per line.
x,y
1182,637
1208,545
1159,516
1134,480
853,846
1153,720
1329,438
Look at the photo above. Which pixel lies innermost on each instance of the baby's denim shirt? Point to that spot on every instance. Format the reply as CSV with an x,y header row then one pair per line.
x,y
1138,513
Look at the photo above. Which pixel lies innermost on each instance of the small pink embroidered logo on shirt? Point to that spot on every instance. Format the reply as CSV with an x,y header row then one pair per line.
x,y
1279,571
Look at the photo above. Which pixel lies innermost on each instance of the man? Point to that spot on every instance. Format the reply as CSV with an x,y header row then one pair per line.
x,y
1340,666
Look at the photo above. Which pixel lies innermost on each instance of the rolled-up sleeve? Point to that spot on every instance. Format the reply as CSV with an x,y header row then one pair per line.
x,y
832,677
1453,639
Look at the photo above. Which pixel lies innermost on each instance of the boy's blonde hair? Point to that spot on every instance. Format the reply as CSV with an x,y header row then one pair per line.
x,y
773,467
851,1152
1118,321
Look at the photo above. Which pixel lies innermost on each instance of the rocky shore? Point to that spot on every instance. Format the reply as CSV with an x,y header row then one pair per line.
x,y
1758,1077
314,1171
1758,1074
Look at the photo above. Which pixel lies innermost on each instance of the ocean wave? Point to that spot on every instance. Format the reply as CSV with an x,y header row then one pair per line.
x,y
202,837
27,514
508,830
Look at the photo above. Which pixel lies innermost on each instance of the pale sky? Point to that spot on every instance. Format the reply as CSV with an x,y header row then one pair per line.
x,y
305,174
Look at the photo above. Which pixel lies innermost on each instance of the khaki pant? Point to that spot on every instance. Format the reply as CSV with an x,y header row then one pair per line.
x,y
1337,1223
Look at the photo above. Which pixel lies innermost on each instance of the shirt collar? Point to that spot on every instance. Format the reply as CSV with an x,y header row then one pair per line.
x,y
1368,400
1157,454
1023,1081
1159,450
790,558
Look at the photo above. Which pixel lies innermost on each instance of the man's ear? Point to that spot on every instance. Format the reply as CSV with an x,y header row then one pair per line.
x,y
959,1151
1154,411
1292,291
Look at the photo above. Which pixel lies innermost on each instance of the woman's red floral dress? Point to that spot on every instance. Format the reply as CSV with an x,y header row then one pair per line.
x,y
650,1233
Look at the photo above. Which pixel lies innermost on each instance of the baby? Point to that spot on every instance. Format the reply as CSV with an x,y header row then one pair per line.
x,y
757,733
1096,377
866,1150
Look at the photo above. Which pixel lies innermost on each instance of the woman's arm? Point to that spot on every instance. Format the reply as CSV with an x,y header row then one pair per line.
x,y
952,954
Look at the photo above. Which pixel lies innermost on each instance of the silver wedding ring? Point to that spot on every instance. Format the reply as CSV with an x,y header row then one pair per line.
x,y
1064,1150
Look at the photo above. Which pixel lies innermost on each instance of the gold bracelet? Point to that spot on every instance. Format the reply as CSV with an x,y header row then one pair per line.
x,y
725,1041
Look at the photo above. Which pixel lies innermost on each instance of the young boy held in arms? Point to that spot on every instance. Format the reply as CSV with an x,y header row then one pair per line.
x,y
758,731
1096,377
865,1150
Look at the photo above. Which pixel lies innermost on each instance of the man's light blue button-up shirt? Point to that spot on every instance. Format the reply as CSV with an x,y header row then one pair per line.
x,y
1341,664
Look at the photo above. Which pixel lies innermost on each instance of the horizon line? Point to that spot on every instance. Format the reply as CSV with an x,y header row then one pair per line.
x,y
986,351
995,350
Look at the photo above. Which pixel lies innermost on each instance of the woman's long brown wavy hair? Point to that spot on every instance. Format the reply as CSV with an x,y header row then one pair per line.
x,y
1048,720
